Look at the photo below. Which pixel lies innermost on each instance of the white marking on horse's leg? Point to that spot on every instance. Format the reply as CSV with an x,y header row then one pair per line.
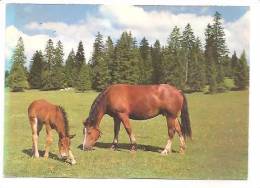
x,y
35,138
167,148
71,157
132,138
83,145
182,145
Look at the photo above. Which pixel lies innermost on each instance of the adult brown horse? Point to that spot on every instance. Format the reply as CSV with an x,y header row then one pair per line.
x,y
54,117
138,102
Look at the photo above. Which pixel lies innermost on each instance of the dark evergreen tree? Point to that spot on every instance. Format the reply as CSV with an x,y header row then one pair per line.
x,y
125,67
219,46
188,43
80,57
197,76
58,71
234,63
17,80
100,67
71,69
156,62
211,72
109,56
241,73
49,61
146,67
84,82
36,69
173,55
6,78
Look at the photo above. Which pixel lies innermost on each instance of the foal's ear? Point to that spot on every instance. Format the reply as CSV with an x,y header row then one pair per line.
x,y
72,136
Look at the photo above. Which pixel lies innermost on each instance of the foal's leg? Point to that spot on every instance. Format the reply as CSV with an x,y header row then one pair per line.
x,y
49,140
171,131
182,140
116,132
36,128
125,119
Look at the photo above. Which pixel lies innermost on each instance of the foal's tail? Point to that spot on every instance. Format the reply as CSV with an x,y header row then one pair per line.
x,y
185,118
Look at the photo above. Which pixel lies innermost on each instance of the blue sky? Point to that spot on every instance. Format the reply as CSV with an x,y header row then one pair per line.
x,y
71,23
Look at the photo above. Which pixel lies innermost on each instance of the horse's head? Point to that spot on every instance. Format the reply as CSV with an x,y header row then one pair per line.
x,y
91,135
64,146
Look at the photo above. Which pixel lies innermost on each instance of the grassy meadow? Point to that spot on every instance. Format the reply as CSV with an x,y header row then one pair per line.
x,y
219,149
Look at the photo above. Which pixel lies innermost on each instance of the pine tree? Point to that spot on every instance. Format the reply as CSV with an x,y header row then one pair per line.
x,y
125,68
109,56
80,56
211,72
49,61
6,78
234,63
219,46
197,77
71,70
37,63
241,73
156,62
146,67
58,71
100,67
17,80
84,82
80,61
173,57
188,43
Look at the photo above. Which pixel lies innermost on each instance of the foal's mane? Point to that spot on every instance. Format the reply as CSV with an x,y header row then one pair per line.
x,y
65,118
94,107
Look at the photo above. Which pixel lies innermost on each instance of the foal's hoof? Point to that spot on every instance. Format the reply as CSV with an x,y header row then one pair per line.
x,y
114,147
165,152
133,148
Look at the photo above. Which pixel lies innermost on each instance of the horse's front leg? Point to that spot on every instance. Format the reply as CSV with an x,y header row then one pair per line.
x,y
49,140
116,132
36,128
171,132
125,119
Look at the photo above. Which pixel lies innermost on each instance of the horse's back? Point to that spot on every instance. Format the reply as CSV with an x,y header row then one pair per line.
x,y
40,109
143,101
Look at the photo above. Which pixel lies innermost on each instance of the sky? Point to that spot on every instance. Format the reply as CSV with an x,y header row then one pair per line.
x,y
72,23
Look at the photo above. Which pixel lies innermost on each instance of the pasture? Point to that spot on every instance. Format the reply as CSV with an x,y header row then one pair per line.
x,y
219,149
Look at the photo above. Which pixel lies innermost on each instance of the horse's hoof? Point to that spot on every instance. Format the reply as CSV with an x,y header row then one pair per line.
x,y
133,148
182,152
36,156
114,147
165,152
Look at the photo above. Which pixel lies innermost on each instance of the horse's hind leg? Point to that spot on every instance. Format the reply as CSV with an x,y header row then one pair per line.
x,y
35,134
116,132
49,140
182,140
125,119
171,132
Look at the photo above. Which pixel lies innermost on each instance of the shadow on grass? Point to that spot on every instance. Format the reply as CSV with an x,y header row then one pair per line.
x,y
127,147
41,152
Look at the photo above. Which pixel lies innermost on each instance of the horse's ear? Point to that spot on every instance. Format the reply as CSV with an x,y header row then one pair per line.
x,y
72,136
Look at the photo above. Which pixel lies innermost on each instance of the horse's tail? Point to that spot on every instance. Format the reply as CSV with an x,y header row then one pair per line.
x,y
185,118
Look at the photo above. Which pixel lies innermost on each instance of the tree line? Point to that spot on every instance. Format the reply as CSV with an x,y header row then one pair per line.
x,y
182,62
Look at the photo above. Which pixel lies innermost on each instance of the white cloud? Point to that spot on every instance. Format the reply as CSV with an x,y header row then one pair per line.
x,y
114,19
237,34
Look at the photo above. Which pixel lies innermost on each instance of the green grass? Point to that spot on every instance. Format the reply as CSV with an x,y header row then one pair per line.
x,y
219,149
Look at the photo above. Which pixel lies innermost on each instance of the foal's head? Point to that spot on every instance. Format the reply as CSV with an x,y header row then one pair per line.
x,y
91,135
64,137
64,145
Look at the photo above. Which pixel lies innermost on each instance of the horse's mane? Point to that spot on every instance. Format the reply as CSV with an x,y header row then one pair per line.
x,y
65,118
94,107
